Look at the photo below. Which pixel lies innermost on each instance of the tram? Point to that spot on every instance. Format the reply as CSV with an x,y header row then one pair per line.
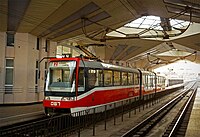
x,y
75,84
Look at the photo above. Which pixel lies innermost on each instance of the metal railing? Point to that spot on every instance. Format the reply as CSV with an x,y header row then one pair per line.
x,y
63,125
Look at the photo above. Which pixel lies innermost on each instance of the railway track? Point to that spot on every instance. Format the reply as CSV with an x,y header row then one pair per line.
x,y
65,124
179,124
144,127
20,119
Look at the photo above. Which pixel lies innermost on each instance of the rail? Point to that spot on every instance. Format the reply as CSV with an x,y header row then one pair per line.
x,y
180,117
147,124
62,125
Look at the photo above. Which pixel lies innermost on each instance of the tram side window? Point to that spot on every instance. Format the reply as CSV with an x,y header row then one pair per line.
x,y
117,78
95,78
108,78
81,78
124,78
130,78
99,77
161,81
136,79
143,80
158,81
164,82
92,77
146,81
152,81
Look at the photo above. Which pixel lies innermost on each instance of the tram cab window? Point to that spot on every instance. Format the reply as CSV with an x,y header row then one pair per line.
x,y
124,78
62,78
60,75
108,78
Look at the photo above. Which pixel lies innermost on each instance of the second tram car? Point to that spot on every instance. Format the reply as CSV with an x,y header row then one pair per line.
x,y
75,84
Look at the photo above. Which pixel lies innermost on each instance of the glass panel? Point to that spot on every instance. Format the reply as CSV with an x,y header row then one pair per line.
x,y
154,21
130,78
36,64
148,22
46,45
124,78
139,20
116,78
144,26
134,25
38,44
153,17
152,81
62,76
66,50
36,89
100,77
146,81
9,77
45,65
10,39
136,79
9,63
75,53
107,78
92,79
59,50
36,76
81,78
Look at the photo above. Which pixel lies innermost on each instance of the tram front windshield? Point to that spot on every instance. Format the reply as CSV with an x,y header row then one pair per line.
x,y
61,76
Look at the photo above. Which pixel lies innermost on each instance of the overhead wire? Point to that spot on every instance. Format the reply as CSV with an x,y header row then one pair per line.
x,y
33,20
142,32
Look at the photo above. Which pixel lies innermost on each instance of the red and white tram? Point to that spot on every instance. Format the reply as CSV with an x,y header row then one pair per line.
x,y
75,84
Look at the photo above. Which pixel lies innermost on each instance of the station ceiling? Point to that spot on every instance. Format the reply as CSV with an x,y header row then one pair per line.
x,y
87,22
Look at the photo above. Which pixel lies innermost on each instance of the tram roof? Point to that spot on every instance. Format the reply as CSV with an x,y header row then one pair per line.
x,y
101,65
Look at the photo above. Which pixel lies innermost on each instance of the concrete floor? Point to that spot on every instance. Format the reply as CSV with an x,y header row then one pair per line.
x,y
193,129
19,113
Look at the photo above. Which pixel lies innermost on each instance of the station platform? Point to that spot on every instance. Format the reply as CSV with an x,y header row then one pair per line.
x,y
193,128
122,126
11,114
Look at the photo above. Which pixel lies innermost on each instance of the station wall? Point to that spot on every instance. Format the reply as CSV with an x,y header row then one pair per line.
x,y
27,86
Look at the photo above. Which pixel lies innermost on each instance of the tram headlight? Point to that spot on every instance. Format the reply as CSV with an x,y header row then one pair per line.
x,y
47,98
64,99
